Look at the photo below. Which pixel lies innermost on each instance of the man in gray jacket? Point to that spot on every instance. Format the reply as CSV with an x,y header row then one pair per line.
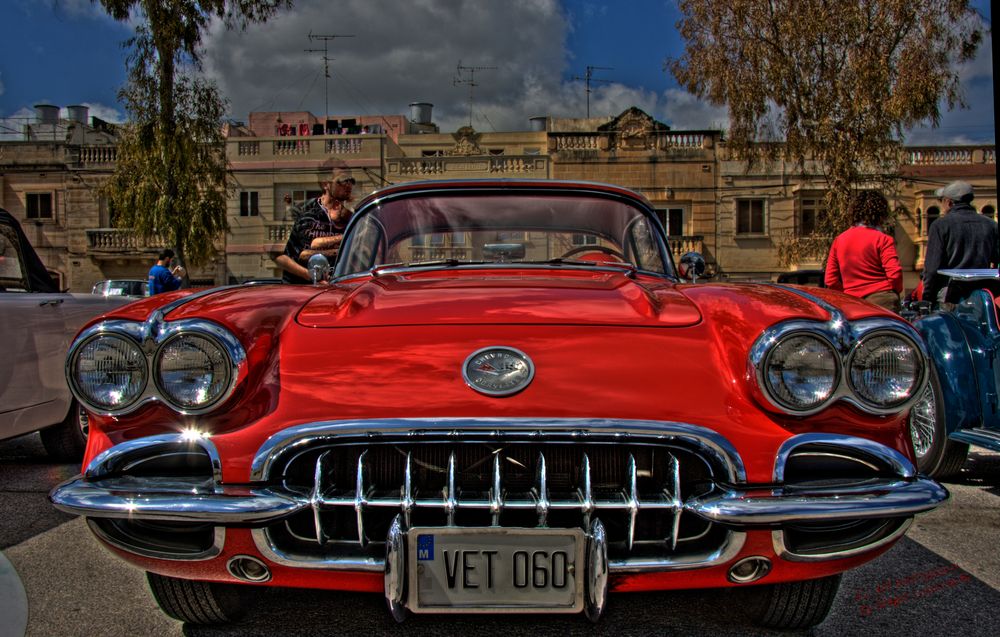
x,y
961,239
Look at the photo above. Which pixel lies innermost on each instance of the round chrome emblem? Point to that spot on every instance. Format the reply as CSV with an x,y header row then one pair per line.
x,y
498,371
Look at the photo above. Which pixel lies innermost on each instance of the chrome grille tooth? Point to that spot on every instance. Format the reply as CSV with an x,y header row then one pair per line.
x,y
359,498
588,493
675,499
316,497
450,501
496,499
632,495
407,501
542,480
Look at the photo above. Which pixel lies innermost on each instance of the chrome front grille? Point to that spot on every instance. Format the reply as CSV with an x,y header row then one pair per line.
x,y
636,489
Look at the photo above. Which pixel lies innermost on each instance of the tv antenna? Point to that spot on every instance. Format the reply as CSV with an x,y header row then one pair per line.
x,y
326,62
589,77
471,81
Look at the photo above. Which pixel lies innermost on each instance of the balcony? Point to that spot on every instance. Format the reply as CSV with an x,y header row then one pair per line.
x,y
528,166
679,246
307,147
117,242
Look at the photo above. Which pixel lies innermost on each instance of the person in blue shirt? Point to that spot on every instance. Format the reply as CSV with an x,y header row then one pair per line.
x,y
162,279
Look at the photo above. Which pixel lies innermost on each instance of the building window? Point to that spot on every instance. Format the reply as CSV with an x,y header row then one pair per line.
x,y
750,216
584,240
248,204
810,209
38,205
932,215
989,211
672,220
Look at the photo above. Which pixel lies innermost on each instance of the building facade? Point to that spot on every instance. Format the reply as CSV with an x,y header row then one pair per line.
x,y
738,217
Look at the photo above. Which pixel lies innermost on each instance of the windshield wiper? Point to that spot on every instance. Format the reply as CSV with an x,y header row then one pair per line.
x,y
593,264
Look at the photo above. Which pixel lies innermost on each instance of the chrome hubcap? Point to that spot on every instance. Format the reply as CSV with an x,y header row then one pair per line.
x,y
923,418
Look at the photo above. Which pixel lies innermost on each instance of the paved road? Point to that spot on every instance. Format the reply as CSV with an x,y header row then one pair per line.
x,y
944,578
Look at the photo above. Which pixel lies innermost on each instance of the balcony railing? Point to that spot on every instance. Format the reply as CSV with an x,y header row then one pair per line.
x,y
535,166
116,240
683,244
307,147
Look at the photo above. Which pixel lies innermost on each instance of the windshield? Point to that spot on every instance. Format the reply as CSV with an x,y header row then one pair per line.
x,y
490,227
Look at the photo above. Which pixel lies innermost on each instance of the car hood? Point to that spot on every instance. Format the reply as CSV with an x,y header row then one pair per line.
x,y
478,297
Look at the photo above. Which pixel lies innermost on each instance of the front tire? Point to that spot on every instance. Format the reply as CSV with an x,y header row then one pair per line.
x,y
937,456
66,441
793,605
195,602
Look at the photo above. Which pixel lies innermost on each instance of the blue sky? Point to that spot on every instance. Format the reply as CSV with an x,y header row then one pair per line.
x,y
68,52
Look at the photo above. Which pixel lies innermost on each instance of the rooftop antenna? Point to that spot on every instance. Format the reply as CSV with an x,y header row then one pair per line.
x,y
589,77
471,81
326,62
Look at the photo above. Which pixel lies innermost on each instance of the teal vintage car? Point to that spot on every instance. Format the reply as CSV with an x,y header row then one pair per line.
x,y
960,403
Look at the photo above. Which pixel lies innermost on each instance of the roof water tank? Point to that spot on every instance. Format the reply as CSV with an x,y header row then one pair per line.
x,y
420,112
46,114
78,113
537,124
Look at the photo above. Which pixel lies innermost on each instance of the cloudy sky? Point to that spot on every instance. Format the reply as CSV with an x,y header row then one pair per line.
x,y
67,52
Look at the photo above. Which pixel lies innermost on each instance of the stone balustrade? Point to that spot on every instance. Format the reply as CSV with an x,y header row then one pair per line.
x,y
307,147
938,156
118,240
97,155
278,232
686,243
460,166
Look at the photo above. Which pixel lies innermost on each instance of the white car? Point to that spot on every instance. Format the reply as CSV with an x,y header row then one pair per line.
x,y
37,324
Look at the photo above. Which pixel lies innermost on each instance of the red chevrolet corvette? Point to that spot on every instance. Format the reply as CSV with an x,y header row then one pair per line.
x,y
503,398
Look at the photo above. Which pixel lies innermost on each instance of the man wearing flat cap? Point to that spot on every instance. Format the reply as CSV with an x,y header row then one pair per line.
x,y
319,229
961,239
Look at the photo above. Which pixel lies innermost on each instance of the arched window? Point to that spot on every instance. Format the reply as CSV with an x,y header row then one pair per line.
x,y
990,212
932,215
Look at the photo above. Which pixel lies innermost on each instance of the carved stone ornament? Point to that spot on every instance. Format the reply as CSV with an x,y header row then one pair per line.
x,y
466,142
634,129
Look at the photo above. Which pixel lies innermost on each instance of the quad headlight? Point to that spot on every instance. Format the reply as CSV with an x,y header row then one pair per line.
x,y
885,370
194,365
800,367
108,372
802,372
192,371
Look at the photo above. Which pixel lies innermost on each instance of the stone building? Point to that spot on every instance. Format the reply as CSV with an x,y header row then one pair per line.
x,y
738,218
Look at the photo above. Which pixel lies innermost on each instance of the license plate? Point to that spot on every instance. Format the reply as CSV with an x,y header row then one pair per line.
x,y
468,570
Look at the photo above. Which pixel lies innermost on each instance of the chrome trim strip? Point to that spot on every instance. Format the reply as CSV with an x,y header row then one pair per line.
x,y
151,336
632,497
180,500
844,338
895,461
176,500
360,499
496,495
495,429
113,460
408,502
542,504
587,497
676,502
782,550
218,543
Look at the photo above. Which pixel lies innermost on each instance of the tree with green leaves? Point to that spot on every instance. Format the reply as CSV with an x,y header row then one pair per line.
x,y
170,178
835,83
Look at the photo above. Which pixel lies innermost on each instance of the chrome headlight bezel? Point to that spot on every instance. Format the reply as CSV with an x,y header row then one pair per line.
x,y
151,337
918,382
774,393
75,382
844,337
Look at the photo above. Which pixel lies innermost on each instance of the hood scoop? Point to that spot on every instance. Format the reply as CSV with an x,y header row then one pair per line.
x,y
525,297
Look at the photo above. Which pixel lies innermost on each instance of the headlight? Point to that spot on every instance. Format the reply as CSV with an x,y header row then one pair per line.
x,y
885,370
192,371
109,372
801,372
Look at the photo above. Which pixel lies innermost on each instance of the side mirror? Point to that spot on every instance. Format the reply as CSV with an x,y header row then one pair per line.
x,y
319,268
691,266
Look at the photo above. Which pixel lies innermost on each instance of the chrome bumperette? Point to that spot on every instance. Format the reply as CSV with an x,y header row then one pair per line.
x,y
118,459
843,337
151,336
897,492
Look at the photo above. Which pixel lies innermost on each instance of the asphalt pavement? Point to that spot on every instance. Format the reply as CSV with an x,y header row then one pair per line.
x,y
942,579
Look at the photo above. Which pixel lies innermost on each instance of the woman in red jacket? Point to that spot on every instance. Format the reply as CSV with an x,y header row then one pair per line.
x,y
863,260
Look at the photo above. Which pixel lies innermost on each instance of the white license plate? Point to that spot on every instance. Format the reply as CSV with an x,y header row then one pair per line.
x,y
468,570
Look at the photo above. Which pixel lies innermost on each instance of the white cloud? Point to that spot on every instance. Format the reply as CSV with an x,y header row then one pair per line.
x,y
399,53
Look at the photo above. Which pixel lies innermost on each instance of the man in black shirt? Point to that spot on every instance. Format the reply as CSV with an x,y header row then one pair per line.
x,y
961,239
319,229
